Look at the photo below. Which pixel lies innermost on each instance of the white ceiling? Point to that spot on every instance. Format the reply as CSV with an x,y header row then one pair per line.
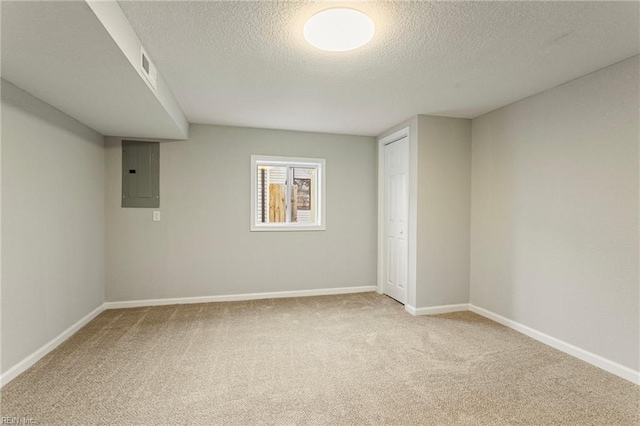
x,y
247,64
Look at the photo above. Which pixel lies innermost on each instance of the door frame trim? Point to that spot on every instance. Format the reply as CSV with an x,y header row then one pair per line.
x,y
413,210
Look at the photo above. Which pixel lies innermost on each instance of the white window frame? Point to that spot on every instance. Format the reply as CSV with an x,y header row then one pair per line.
x,y
268,160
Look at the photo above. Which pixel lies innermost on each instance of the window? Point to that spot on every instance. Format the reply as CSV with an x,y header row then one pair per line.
x,y
287,194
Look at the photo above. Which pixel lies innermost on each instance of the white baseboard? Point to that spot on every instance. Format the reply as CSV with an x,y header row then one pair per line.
x,y
23,365
434,310
586,356
238,297
410,309
591,358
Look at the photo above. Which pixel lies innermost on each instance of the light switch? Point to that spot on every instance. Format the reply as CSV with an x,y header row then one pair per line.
x,y
156,215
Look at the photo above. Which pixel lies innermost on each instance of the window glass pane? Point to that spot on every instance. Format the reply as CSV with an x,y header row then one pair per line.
x,y
271,205
303,195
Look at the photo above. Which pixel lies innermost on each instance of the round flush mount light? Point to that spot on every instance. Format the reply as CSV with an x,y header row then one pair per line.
x,y
339,29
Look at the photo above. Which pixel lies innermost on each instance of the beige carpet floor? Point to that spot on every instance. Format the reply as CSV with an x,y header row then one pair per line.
x,y
353,359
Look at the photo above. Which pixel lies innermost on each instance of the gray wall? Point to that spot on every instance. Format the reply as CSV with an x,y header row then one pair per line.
x,y
203,246
444,210
555,212
52,223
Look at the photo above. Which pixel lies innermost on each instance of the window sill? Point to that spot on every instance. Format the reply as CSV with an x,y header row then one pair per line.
x,y
288,228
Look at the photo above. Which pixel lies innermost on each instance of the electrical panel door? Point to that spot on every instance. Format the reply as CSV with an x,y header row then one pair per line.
x,y
140,174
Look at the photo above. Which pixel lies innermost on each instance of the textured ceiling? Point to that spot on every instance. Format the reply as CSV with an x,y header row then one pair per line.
x,y
247,64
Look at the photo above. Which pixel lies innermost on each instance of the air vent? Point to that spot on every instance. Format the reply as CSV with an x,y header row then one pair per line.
x,y
147,68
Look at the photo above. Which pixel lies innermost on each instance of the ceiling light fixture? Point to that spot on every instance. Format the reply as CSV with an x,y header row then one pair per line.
x,y
339,29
